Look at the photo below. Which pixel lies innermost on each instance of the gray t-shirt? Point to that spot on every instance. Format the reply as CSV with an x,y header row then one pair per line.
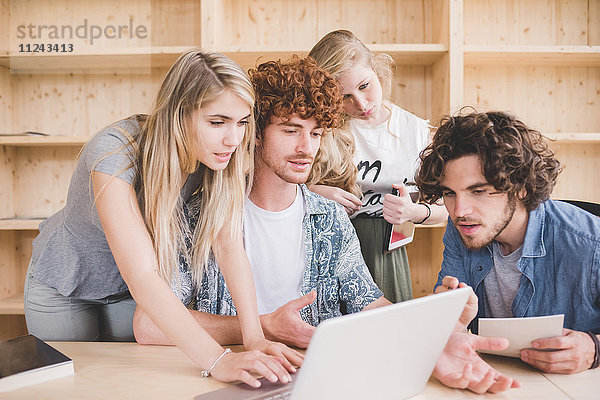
x,y
502,283
71,253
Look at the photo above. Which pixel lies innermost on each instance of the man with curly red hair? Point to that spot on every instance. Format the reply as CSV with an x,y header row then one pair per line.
x,y
523,254
301,246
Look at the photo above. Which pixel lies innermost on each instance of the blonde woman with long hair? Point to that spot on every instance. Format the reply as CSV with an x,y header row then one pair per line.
x,y
120,234
376,150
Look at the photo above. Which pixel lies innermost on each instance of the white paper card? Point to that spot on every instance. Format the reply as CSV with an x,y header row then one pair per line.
x,y
520,332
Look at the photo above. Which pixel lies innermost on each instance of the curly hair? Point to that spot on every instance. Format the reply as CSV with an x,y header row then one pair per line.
x,y
513,156
298,86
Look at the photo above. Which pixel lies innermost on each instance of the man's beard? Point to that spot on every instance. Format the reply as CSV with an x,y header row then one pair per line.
x,y
509,211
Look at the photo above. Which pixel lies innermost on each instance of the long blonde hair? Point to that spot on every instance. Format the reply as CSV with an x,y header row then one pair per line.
x,y
165,150
337,52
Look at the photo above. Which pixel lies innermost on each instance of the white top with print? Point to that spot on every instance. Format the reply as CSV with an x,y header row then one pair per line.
x,y
387,154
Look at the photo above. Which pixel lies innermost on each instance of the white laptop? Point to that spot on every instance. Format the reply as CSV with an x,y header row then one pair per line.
x,y
385,353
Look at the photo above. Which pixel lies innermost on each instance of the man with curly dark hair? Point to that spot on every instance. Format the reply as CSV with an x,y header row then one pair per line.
x,y
523,254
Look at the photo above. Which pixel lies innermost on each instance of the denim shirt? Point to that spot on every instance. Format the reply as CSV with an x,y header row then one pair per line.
x,y
335,268
560,266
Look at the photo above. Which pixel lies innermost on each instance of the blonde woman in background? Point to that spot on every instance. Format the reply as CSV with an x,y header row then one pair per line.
x,y
122,228
377,149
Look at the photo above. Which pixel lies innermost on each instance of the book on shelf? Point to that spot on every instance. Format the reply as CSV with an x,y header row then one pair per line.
x,y
27,360
28,133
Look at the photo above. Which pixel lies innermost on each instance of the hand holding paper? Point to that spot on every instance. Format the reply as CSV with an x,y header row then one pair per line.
x,y
520,332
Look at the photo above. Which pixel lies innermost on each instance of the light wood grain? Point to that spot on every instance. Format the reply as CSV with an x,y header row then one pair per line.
x,y
581,166
20,224
537,58
12,305
36,140
7,171
42,177
549,99
425,259
581,56
12,326
582,386
132,371
529,22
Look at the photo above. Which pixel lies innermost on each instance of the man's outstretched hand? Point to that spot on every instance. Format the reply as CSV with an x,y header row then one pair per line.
x,y
459,365
285,324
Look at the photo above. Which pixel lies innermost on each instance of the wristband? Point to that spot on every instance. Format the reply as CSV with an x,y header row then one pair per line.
x,y
596,361
206,373
428,213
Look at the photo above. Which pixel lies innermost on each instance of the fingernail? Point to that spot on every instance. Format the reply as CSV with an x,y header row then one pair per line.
x,y
273,378
293,369
257,384
535,344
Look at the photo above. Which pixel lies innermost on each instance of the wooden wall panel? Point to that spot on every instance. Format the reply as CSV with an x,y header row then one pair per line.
x,y
247,24
80,105
550,99
8,272
385,21
527,22
441,80
7,154
411,89
42,179
425,258
6,106
4,24
7,182
175,23
578,181
23,247
299,24
594,23
12,326
15,253
105,15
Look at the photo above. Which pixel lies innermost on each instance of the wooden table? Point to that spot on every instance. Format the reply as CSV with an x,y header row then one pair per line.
x,y
132,371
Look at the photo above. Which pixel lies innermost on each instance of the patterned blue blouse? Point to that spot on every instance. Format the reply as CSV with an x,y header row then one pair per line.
x,y
335,267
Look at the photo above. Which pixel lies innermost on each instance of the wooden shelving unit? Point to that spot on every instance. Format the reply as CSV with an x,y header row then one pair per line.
x,y
36,140
12,305
583,56
537,58
20,224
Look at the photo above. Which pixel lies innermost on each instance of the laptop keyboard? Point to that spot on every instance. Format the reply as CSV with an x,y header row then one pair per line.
x,y
279,395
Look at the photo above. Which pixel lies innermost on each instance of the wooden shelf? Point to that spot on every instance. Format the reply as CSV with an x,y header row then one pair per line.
x,y
580,56
138,59
440,225
20,224
411,54
572,137
38,140
111,61
12,305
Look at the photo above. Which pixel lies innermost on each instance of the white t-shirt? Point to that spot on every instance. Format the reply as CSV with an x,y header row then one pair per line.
x,y
274,243
387,154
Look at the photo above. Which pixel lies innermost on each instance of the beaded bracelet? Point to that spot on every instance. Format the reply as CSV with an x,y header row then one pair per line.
x,y
428,213
596,361
206,373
